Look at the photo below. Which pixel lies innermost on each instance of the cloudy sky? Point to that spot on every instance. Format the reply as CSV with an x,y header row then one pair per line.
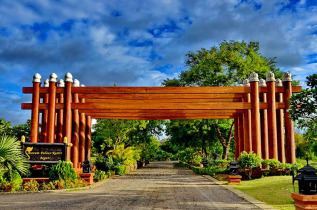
x,y
140,43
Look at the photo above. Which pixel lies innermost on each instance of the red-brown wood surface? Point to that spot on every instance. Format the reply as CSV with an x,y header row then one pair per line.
x,y
264,129
236,137
35,113
59,132
44,121
255,118
67,129
51,112
88,137
241,134
289,126
247,127
271,112
82,135
75,136
280,130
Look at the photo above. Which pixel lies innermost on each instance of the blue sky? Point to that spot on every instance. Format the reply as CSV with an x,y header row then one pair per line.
x,y
140,43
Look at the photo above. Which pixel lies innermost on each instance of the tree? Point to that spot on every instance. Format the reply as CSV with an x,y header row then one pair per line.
x,y
303,110
22,130
5,127
226,65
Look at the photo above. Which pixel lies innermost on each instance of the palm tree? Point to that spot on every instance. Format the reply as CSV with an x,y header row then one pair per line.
x,y
11,157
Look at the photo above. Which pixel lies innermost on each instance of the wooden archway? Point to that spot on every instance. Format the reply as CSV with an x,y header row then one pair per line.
x,y
259,111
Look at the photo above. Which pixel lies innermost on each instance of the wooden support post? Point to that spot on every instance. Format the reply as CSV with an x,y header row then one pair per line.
x,y
45,116
270,81
280,125
82,134
51,108
255,114
75,138
67,125
236,137
289,125
35,108
59,136
241,134
264,126
247,121
88,138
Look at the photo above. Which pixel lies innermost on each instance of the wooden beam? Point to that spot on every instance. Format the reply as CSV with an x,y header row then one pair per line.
x,y
67,129
160,117
35,112
280,130
255,116
171,100
272,119
51,112
264,129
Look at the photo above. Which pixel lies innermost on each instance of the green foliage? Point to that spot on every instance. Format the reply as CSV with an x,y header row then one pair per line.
x,y
48,186
104,163
5,128
248,161
272,163
189,155
121,170
62,171
126,156
32,186
162,155
14,177
149,150
11,157
99,175
17,131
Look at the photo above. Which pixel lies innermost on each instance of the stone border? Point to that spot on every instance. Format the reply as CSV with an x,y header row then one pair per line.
x,y
242,195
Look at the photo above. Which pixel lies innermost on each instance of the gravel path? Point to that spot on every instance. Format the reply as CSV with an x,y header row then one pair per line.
x,y
159,185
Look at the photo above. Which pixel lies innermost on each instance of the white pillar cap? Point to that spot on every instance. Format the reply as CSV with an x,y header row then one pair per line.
x,y
262,83
254,77
68,77
37,78
76,83
287,77
61,83
279,82
270,77
239,85
53,77
47,83
246,83
82,85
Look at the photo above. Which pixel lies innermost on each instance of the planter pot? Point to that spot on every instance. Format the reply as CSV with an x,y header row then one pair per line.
x,y
234,179
304,201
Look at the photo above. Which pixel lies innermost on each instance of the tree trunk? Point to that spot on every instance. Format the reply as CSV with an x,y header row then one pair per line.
x,y
225,152
225,142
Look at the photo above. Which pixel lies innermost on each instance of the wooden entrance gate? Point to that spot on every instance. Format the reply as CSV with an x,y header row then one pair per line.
x,y
258,107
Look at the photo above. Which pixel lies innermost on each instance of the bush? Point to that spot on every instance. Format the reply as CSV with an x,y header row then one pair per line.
x,y
249,161
62,171
121,170
104,163
190,156
99,175
47,186
32,186
6,186
272,163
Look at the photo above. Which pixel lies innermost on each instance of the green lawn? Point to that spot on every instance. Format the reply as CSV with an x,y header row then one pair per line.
x,y
274,190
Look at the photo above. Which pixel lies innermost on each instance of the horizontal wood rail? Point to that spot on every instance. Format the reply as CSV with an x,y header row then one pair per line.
x,y
162,117
161,90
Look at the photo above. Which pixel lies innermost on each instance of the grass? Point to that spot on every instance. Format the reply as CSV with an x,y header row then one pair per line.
x,y
274,190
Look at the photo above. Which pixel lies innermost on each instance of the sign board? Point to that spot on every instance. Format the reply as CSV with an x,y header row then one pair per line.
x,y
44,153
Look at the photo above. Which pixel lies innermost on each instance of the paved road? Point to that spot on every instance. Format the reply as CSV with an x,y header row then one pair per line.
x,y
159,185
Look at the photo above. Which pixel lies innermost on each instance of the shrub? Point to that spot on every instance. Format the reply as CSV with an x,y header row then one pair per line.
x,y
99,175
272,163
47,186
109,174
249,161
104,163
32,186
190,156
121,170
62,171
6,186
198,170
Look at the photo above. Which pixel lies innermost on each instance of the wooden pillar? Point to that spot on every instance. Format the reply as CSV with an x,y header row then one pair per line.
x,y
51,108
236,137
60,113
264,126
289,125
247,121
280,125
88,138
67,125
35,108
45,115
255,114
270,82
241,134
75,137
82,135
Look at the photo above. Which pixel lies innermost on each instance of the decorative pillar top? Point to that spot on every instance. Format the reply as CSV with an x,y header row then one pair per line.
x,y
246,83
279,82
240,85
68,77
47,83
76,83
82,85
53,77
270,77
262,83
61,83
37,78
254,77
287,77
